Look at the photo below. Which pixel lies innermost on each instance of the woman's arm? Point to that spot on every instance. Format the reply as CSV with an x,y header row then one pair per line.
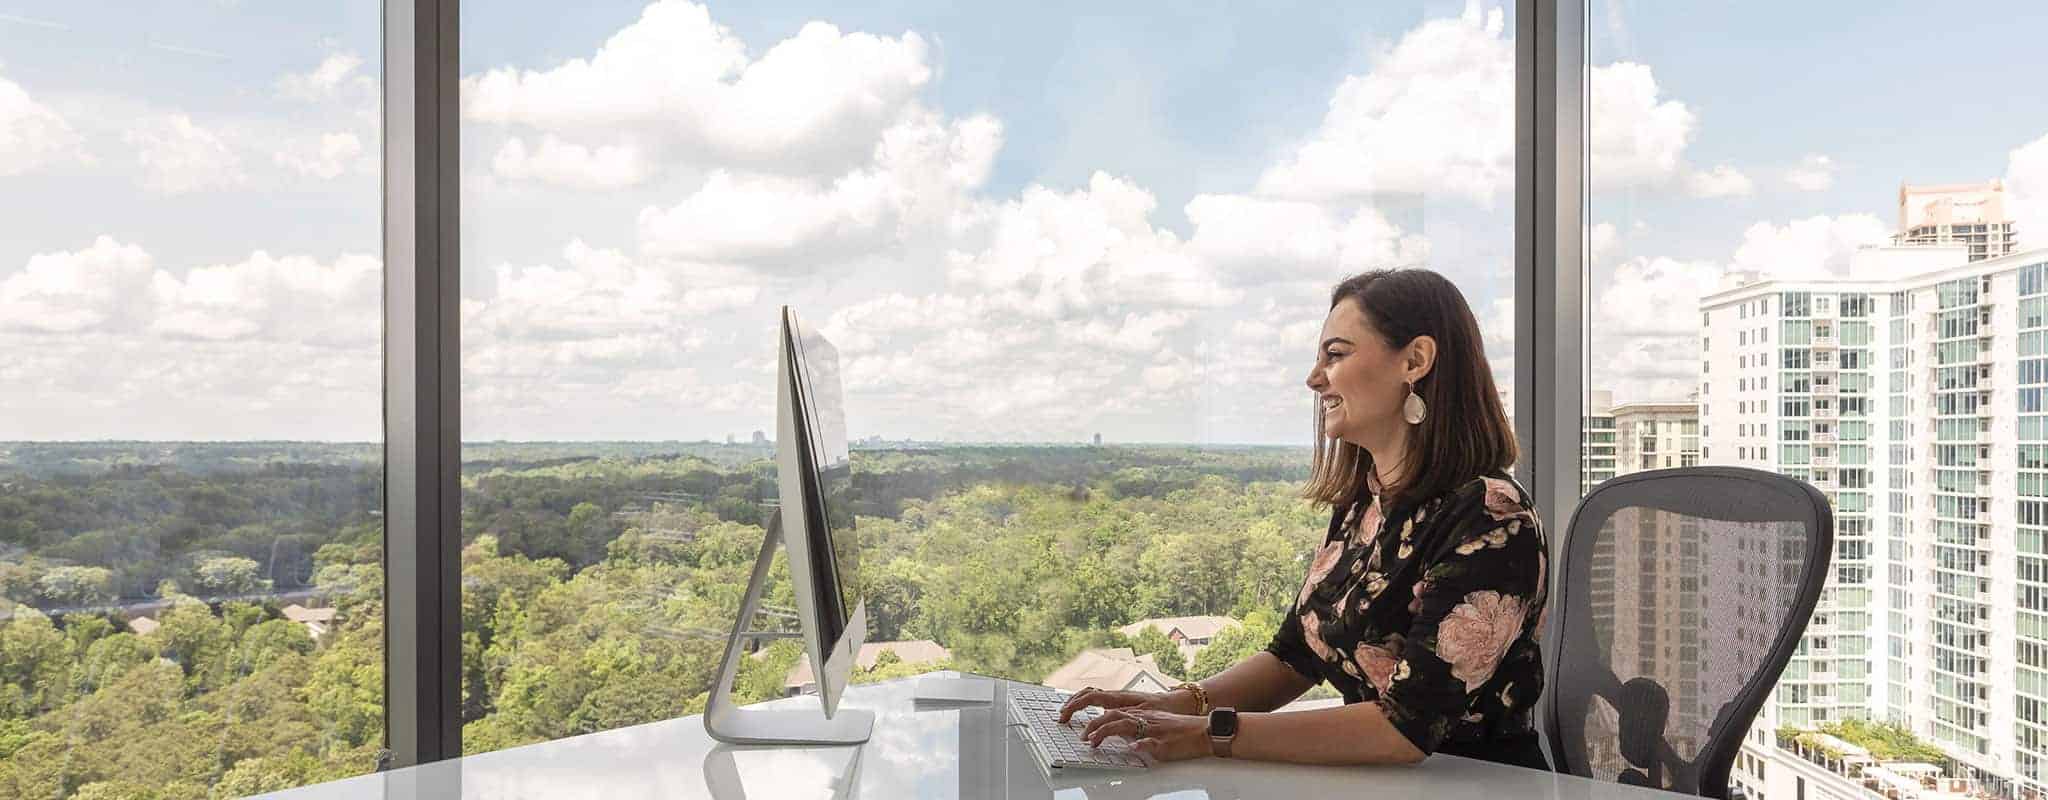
x,y
1358,733
1259,683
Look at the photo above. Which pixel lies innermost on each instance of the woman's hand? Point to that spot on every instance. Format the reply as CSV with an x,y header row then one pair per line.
x,y
1160,735
1166,726
1177,701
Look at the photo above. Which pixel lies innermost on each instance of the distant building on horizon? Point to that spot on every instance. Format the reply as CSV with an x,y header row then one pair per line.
x,y
760,438
1968,214
1098,440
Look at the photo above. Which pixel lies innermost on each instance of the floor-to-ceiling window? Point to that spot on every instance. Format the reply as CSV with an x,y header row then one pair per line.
x,y
1075,263
190,405
1814,248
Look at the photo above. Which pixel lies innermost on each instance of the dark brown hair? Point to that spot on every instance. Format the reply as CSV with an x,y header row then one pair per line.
x,y
1464,435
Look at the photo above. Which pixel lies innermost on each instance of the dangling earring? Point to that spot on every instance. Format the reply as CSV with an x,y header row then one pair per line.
x,y
1413,409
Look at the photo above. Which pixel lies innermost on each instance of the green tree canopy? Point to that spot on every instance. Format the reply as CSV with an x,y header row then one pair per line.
x,y
230,576
76,586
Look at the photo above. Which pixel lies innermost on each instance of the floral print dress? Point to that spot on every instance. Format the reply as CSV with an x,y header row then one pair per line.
x,y
1433,611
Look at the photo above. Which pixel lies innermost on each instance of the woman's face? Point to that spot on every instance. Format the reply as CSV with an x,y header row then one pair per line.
x,y
1360,380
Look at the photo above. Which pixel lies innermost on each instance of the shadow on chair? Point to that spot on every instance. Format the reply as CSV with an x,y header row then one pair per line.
x,y
1680,597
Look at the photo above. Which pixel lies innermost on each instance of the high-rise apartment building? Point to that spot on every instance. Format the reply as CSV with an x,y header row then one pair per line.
x,y
1917,406
1597,445
1655,435
1971,215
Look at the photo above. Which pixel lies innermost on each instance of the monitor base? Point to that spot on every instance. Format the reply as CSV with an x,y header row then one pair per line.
x,y
776,726
729,723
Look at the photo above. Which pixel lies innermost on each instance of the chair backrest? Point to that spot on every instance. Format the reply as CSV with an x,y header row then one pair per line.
x,y
1679,599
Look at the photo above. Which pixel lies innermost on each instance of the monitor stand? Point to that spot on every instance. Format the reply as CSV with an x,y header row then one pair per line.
x,y
732,724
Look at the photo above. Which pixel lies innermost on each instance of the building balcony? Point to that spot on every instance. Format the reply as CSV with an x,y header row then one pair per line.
x,y
1824,461
1828,341
1827,389
1844,767
1824,438
1825,413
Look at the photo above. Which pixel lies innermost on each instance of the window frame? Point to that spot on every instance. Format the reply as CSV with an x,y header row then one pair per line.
x,y
421,200
422,383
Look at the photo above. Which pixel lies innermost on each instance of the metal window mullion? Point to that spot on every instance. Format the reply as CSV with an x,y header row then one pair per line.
x,y
1550,197
422,379
1550,163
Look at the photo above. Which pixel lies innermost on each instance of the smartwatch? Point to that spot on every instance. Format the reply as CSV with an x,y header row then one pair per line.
x,y
1222,730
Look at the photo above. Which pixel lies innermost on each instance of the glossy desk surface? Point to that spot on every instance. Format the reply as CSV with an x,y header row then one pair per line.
x,y
918,750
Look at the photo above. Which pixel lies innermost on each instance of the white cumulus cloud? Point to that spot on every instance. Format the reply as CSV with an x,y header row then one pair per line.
x,y
1815,173
336,73
1435,115
178,156
1258,240
1055,253
327,157
101,287
561,163
811,104
1721,181
1637,136
921,172
31,135
1814,247
1654,296
2026,188
289,298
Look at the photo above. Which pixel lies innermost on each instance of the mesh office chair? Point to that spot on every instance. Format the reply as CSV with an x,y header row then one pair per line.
x,y
1681,596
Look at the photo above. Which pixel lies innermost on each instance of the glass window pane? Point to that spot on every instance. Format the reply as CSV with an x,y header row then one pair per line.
x,y
1075,263
191,469
1895,258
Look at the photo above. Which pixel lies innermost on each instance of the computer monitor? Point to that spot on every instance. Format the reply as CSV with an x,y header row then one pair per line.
x,y
814,524
816,484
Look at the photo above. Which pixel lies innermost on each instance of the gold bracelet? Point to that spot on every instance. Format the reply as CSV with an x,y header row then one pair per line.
x,y
1201,696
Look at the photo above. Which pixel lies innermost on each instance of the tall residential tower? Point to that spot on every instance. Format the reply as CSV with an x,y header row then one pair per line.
x,y
1916,405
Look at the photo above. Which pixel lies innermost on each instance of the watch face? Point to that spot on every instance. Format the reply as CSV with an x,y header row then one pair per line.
x,y
1223,722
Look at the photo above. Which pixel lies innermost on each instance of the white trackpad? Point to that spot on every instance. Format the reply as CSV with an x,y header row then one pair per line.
x,y
955,690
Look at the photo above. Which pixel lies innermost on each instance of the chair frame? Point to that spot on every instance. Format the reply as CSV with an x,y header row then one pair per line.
x,y
1680,490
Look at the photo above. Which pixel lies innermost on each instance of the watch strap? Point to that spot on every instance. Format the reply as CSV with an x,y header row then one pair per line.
x,y
1222,731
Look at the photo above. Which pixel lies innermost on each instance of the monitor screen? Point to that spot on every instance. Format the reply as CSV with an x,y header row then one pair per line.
x,y
834,551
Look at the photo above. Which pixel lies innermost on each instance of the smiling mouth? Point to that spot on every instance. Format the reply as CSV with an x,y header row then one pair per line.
x,y
1331,401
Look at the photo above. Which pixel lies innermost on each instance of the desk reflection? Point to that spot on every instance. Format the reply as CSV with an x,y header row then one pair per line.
x,y
722,773
919,750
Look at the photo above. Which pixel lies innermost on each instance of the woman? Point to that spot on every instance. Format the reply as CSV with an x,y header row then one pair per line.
x,y
1424,603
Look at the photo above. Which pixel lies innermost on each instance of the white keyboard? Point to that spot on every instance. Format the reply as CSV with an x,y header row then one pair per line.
x,y
1060,746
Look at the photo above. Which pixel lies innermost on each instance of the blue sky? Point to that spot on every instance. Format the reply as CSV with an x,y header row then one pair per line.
x,y
1838,79
1091,221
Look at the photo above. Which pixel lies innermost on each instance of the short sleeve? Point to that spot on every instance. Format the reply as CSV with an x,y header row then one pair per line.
x,y
1291,647
1473,602
1290,644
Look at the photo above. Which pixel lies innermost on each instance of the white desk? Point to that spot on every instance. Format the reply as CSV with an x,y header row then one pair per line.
x,y
917,752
